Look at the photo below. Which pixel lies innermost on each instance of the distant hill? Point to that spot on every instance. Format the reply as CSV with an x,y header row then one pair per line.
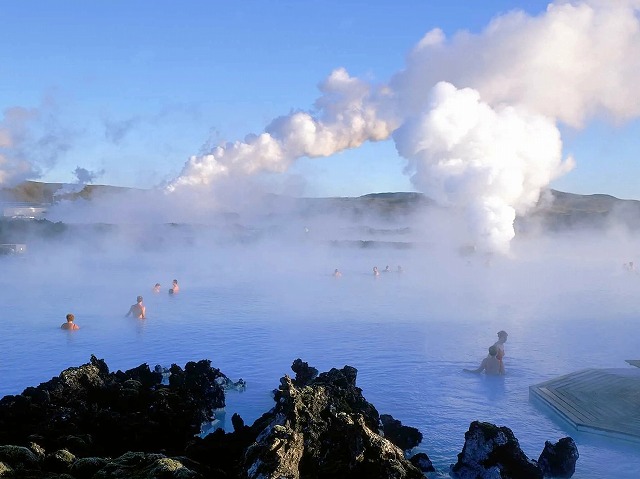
x,y
555,210
37,192
559,210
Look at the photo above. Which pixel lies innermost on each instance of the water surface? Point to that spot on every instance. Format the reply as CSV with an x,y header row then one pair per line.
x,y
252,311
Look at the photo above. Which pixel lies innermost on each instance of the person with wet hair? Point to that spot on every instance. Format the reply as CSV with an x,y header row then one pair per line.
x,y
491,365
70,325
156,288
174,287
137,310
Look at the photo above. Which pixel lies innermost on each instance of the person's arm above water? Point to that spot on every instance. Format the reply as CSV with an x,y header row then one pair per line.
x,y
479,369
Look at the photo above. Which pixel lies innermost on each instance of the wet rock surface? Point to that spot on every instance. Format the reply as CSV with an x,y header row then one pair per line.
x,y
493,452
559,459
89,423
404,437
323,428
90,411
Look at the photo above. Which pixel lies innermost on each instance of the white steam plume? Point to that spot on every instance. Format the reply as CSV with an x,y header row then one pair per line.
x,y
491,163
575,61
350,113
489,147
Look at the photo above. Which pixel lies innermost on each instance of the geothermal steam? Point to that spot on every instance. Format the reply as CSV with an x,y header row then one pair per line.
x,y
349,113
485,142
491,163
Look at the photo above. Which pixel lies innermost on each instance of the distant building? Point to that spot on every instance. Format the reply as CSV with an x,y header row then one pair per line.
x,y
13,248
28,211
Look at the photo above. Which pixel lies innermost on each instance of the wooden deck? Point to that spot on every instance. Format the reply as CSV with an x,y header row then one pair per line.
x,y
600,401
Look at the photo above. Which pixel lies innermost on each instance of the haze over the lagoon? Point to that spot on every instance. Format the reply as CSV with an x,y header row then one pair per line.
x,y
477,113
226,118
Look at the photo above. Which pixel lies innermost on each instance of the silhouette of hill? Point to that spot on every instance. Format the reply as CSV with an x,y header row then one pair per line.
x,y
555,210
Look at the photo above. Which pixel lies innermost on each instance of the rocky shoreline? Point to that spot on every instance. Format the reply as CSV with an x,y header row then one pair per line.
x,y
90,423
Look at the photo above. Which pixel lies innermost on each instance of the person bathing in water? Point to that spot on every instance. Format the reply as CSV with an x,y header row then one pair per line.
x,y
491,365
138,310
175,288
156,288
70,324
502,338
375,271
337,273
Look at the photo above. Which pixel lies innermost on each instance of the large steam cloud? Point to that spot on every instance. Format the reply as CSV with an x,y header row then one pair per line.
x,y
575,61
491,163
487,140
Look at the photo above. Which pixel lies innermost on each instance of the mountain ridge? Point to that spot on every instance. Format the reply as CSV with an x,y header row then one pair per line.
x,y
555,209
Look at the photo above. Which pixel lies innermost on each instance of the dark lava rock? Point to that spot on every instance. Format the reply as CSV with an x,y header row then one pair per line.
x,y
422,462
92,412
304,373
404,437
141,465
320,427
324,429
86,467
493,452
59,461
18,456
559,459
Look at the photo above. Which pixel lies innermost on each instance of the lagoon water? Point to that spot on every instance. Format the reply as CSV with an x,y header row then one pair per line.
x,y
253,309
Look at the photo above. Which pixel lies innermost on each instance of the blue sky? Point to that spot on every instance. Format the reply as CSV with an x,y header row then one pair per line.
x,y
130,90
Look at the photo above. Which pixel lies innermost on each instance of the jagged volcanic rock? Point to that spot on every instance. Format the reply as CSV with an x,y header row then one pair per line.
x,y
324,429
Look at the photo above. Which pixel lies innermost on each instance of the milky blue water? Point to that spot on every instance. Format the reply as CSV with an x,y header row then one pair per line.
x,y
253,310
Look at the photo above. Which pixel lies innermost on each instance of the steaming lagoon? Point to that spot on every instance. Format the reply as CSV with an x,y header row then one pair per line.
x,y
254,308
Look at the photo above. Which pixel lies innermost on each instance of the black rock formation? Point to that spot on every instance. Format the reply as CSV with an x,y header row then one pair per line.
x,y
90,411
88,423
404,437
493,452
324,429
559,459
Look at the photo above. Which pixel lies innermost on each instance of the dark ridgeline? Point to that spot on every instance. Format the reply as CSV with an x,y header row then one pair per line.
x,y
556,212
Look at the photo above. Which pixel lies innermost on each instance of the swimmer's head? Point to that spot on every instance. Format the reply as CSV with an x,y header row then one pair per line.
x,y
70,317
139,299
493,350
502,334
157,285
175,281
171,291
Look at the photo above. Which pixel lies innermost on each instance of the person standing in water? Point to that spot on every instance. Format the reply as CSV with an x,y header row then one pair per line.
x,y
138,310
375,271
156,288
502,338
70,325
175,288
491,365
